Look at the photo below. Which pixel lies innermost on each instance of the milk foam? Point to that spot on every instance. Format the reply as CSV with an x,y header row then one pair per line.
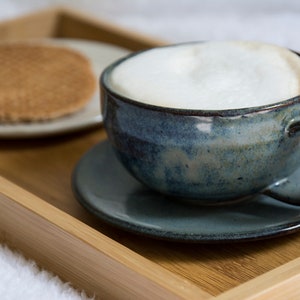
x,y
210,75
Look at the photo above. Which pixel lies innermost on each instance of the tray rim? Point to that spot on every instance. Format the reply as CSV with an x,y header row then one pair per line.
x,y
18,204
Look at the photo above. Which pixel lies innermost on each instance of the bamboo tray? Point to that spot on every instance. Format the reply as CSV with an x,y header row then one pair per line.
x,y
40,216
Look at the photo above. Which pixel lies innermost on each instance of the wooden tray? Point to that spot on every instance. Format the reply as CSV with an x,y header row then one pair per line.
x,y
40,216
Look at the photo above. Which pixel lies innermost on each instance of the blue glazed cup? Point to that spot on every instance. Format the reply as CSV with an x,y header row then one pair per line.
x,y
208,156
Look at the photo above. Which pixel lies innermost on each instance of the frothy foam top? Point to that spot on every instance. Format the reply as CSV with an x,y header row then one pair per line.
x,y
210,75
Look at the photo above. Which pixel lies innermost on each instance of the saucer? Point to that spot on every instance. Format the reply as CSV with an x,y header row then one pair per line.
x,y
103,186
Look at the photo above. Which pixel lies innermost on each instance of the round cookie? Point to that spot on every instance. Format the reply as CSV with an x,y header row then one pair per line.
x,y
41,82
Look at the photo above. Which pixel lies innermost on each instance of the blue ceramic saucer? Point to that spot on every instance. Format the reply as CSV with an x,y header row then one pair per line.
x,y
107,190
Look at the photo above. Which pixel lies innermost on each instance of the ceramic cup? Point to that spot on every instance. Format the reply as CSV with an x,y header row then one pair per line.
x,y
208,156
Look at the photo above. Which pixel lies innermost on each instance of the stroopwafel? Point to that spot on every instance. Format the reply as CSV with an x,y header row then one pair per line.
x,y
41,82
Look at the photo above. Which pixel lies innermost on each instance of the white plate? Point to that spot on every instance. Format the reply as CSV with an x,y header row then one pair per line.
x,y
100,55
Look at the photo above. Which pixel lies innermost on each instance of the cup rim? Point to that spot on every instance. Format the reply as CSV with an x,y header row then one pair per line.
x,y
104,84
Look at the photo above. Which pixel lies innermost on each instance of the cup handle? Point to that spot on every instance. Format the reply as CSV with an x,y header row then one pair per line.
x,y
286,190
293,128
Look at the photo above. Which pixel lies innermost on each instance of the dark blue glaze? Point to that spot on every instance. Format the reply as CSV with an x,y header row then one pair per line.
x,y
210,156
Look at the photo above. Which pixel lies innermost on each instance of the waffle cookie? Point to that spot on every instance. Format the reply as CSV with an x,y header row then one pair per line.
x,y
41,82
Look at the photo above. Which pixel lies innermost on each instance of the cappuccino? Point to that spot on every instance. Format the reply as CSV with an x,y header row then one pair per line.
x,y
210,75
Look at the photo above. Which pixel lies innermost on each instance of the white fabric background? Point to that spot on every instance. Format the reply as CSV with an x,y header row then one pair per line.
x,y
275,21
182,20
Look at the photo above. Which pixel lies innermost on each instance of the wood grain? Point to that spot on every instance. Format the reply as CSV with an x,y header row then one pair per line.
x,y
81,255
279,284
